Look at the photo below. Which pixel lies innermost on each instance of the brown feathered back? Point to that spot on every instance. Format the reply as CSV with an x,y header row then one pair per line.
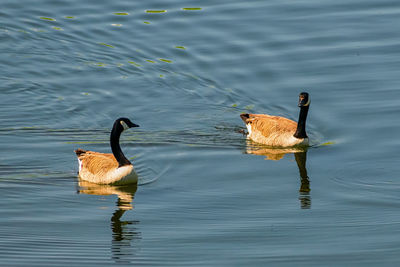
x,y
268,125
101,168
96,162
271,130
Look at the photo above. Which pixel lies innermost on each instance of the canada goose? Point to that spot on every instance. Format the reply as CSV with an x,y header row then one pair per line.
x,y
107,168
279,131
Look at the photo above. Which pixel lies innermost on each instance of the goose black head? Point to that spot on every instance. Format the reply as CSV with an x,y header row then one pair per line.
x,y
304,99
125,123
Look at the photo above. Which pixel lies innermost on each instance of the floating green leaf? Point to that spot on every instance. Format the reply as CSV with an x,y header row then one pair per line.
x,y
106,45
151,61
146,22
46,18
84,142
156,11
69,17
234,105
328,143
57,28
29,127
37,30
165,60
134,63
121,13
85,93
191,8
180,47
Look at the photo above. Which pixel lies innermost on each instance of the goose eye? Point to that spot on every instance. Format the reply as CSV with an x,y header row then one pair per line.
x,y
124,125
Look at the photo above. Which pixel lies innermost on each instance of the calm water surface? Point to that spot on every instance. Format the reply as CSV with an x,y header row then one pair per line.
x,y
184,71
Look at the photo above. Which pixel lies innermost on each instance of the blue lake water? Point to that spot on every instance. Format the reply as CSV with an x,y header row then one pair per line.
x,y
184,71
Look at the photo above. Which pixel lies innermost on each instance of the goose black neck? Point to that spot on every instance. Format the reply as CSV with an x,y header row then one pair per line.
x,y
301,158
116,149
301,124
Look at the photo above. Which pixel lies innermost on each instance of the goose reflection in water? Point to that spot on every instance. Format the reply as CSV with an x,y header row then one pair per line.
x,y
122,236
300,155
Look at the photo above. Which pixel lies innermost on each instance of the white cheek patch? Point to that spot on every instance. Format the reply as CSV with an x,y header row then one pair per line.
x,y
80,164
248,128
124,125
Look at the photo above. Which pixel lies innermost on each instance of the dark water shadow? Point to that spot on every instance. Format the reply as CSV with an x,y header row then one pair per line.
x,y
124,232
300,155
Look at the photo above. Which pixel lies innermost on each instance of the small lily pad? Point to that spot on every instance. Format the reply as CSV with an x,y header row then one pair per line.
x,y
84,142
191,8
165,60
108,45
46,18
180,47
328,143
29,127
100,64
134,63
121,13
37,30
156,11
